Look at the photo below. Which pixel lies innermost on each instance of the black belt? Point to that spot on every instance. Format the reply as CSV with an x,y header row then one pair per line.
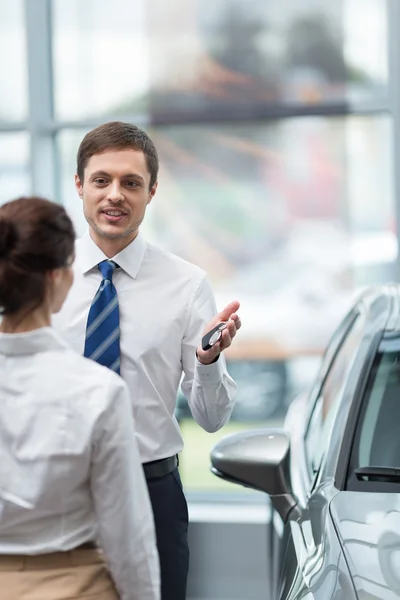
x,y
159,468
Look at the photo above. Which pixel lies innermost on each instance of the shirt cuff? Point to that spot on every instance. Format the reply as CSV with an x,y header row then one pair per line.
x,y
212,373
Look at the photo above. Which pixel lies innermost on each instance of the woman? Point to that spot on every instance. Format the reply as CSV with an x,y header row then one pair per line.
x,y
70,472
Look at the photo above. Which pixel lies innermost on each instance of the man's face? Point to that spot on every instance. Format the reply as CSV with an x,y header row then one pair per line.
x,y
115,194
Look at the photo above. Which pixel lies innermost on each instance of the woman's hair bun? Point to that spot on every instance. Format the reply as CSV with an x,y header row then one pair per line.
x,y
8,237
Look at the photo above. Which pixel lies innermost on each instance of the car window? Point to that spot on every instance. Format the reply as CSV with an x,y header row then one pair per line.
x,y
377,439
331,392
332,349
337,340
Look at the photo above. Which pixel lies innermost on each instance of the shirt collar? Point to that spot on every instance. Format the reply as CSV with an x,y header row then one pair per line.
x,y
31,342
129,259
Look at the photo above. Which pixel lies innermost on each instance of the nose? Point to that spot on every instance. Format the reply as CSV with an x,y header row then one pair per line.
x,y
115,193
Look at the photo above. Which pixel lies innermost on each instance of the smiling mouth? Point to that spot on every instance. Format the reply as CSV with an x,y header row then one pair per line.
x,y
113,214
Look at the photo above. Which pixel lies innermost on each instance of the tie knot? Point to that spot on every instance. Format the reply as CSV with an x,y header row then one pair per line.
x,y
107,268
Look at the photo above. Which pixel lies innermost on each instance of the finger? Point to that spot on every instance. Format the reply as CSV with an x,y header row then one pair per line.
x,y
229,310
215,350
225,340
231,327
238,323
225,344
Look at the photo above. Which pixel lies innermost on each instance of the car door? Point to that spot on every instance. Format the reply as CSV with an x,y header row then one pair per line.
x,y
300,549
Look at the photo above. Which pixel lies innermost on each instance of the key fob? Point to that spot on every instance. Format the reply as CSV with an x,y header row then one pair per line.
x,y
213,336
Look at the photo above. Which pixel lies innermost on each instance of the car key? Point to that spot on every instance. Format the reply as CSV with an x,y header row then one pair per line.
x,y
213,336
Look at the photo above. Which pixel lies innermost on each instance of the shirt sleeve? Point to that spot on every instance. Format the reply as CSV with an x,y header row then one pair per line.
x,y
209,389
121,501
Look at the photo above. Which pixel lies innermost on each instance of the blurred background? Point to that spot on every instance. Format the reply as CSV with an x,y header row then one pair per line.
x,y
274,122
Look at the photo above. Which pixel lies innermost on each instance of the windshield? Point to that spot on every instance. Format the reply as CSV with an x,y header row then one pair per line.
x,y
377,441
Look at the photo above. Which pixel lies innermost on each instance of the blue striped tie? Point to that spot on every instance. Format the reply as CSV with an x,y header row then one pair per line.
x,y
102,330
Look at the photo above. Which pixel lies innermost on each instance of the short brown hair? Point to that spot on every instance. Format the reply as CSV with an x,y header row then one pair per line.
x,y
116,135
36,236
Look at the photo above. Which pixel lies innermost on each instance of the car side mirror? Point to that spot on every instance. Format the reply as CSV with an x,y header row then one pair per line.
x,y
259,459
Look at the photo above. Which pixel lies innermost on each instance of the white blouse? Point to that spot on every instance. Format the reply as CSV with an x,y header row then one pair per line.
x,y
70,470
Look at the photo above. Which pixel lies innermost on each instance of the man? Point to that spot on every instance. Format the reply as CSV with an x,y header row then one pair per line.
x,y
143,314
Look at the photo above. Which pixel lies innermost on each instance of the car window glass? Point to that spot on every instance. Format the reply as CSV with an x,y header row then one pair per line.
x,y
381,384
332,348
377,440
328,401
335,343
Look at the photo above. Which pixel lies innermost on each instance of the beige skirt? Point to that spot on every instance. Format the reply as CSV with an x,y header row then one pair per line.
x,y
73,575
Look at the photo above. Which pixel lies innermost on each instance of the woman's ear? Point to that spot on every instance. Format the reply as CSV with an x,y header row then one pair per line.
x,y
54,276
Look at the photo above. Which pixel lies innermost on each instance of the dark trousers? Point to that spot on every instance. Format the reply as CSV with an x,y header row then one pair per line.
x,y
171,521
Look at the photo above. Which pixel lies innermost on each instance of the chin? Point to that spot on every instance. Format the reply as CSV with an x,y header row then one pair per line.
x,y
112,232
113,235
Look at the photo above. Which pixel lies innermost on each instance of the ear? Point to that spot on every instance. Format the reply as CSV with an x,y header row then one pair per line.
x,y
79,186
152,192
54,275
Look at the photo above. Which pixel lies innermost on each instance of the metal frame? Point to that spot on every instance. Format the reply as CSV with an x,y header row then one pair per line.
x,y
38,27
393,27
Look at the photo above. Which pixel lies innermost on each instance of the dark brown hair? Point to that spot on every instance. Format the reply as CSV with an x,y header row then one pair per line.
x,y
36,236
116,135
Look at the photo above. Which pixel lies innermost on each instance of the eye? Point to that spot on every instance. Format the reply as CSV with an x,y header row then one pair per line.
x,y
131,184
100,181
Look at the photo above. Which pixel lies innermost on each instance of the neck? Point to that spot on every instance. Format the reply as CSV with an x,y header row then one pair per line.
x,y
22,322
111,247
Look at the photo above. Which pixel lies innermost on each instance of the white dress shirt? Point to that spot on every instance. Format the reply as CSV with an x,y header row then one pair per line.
x,y
165,303
70,470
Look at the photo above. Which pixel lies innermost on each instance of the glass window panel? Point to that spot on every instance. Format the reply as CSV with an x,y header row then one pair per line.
x,y
323,418
240,57
13,72
366,49
100,57
190,59
236,194
251,203
377,443
274,212
14,166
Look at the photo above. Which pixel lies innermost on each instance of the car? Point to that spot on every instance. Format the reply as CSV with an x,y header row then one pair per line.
x,y
332,472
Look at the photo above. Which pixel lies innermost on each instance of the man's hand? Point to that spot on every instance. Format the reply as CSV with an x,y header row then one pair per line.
x,y
227,315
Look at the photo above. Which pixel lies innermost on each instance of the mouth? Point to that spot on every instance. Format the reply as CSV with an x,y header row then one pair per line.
x,y
113,215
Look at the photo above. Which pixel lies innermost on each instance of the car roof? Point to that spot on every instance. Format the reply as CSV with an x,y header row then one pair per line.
x,y
387,297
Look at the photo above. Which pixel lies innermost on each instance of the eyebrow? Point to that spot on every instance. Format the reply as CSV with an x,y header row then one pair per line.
x,y
126,176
